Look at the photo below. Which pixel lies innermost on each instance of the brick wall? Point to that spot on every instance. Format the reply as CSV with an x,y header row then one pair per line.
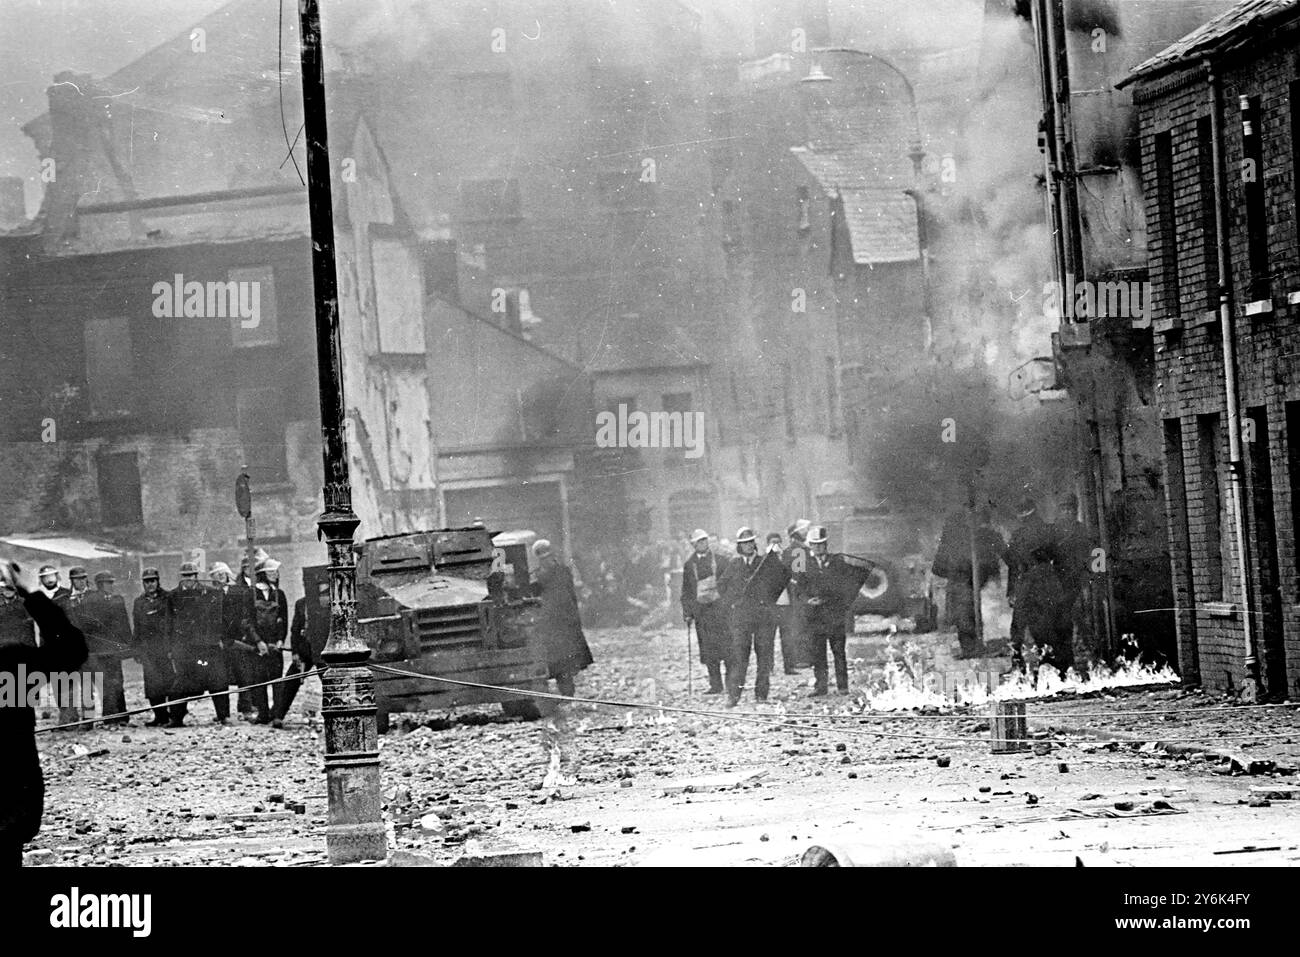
x,y
1189,364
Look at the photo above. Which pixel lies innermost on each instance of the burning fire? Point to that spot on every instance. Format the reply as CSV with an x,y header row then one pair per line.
x,y
902,685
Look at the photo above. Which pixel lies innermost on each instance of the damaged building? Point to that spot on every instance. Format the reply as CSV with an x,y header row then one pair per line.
x,y
1218,113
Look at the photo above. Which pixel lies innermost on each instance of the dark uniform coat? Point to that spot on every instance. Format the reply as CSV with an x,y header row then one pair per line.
x,y
559,621
711,626
835,582
309,632
197,637
152,616
15,624
1042,606
22,794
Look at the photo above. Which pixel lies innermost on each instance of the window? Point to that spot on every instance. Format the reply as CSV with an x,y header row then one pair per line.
x,y
1252,176
490,200
399,296
261,432
1293,466
1295,148
1166,226
1209,221
1214,506
120,502
110,367
254,321
623,407
679,427
1184,585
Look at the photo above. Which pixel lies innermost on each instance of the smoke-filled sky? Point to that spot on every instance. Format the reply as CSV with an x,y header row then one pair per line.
x,y
39,38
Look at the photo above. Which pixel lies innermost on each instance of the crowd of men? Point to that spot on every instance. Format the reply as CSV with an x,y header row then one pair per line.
x,y
737,605
198,639
1048,569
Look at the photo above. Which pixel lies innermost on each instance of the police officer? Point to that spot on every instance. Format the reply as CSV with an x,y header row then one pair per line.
x,y
750,587
701,604
825,586
74,602
308,635
152,617
15,624
270,627
49,580
112,644
794,650
198,645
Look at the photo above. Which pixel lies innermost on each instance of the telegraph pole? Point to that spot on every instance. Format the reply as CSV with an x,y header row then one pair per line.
x,y
355,831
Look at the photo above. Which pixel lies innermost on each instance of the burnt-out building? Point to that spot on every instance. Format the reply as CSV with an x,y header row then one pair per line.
x,y
1218,113
1099,297
159,330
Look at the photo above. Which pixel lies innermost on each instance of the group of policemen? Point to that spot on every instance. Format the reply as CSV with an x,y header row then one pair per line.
x,y
197,639
737,604
1048,572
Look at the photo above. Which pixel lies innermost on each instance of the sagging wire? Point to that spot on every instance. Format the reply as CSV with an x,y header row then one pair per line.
x,y
175,701
786,719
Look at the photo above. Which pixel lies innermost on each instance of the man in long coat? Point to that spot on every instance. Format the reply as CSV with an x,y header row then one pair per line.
x,y
1040,604
559,622
62,650
197,646
825,586
702,605
750,586
152,618
952,561
112,644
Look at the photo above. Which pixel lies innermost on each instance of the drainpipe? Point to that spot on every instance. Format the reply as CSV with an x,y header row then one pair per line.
x,y
1250,688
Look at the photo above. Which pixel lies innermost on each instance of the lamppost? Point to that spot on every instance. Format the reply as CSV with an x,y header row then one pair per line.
x,y
355,831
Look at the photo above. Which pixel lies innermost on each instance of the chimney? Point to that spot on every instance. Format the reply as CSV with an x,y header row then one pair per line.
x,y
13,206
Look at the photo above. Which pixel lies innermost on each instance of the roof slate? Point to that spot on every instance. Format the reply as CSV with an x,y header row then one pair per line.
x,y
1234,27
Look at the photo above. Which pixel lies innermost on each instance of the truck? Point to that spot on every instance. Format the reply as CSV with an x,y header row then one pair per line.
x,y
449,603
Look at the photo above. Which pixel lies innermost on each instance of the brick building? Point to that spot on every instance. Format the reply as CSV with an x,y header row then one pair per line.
x,y
1218,113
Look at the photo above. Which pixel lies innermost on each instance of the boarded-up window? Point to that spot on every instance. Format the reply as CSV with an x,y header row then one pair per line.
x,y
399,296
1165,226
110,367
680,427
1216,513
254,321
119,489
261,432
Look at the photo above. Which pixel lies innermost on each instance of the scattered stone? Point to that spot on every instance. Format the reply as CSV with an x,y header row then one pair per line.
x,y
943,761
431,826
841,747
1063,768
845,759
578,828
985,790
1031,798
1261,802
1090,797
631,829
1123,805
853,774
